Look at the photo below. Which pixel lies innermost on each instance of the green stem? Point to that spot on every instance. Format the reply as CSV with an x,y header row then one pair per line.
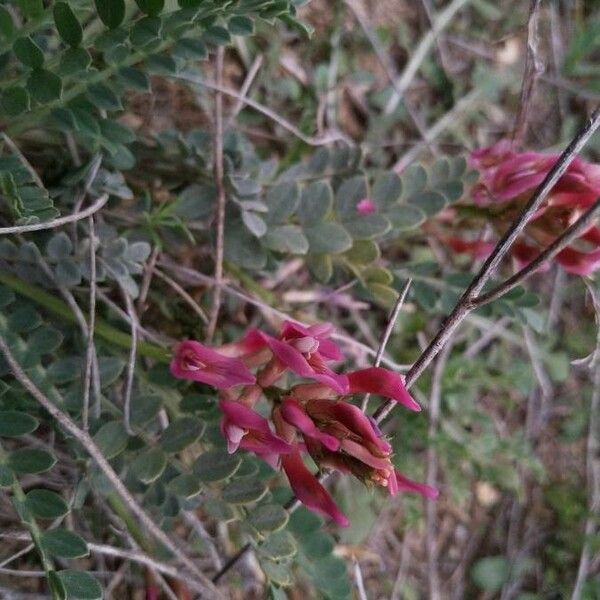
x,y
107,332
34,530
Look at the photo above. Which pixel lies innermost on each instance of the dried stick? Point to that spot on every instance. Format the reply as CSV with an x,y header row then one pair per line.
x,y
592,464
188,299
534,68
388,332
219,174
90,350
358,578
420,53
322,140
466,302
435,402
250,76
72,218
561,242
130,364
194,276
94,452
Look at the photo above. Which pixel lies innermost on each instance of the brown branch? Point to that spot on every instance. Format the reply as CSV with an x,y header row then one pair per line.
x,y
218,170
560,243
466,302
534,68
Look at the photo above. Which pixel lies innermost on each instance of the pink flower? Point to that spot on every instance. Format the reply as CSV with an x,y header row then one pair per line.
x,y
377,380
194,361
244,428
366,206
305,351
507,180
295,415
404,484
309,491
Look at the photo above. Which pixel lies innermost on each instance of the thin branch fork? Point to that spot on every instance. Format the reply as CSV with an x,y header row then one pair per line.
x,y
72,218
466,302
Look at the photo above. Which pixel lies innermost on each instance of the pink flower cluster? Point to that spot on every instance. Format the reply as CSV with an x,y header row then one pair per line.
x,y
507,180
314,418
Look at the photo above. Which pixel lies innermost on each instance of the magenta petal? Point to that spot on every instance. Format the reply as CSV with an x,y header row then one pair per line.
x,y
309,491
355,420
377,380
196,362
578,263
295,415
259,432
408,485
294,360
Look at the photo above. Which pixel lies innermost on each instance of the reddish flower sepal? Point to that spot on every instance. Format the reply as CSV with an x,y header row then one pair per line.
x,y
308,489
244,428
377,380
400,483
196,362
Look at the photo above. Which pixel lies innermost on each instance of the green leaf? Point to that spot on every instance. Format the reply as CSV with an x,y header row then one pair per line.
x,y
367,227
7,477
149,466
103,97
326,238
115,132
111,439
45,340
286,238
491,573
195,202
429,202
414,180
44,86
254,223
30,461
7,25
161,64
111,12
240,26
14,423
59,246
74,60
64,543
190,49
315,202
384,294
134,78
15,100
146,33
181,433
151,7
387,190
363,252
144,408
321,266
45,504
185,486
217,35
282,200
276,572
278,545
349,194
268,518
32,9
29,53
67,25
216,465
405,216
244,491
80,585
